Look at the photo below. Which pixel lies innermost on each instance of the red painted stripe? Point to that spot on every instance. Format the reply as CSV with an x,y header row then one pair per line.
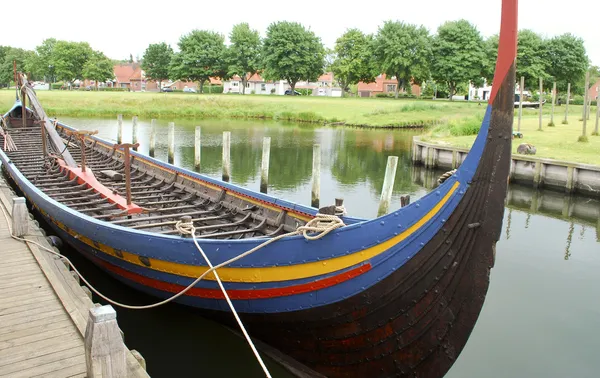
x,y
507,45
237,293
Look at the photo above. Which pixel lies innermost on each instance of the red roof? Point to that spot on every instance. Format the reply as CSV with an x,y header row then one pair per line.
x,y
123,72
327,76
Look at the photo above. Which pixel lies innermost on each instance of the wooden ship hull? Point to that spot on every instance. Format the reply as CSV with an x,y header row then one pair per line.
x,y
395,295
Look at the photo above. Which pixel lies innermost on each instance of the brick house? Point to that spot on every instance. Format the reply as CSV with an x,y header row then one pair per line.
x,y
594,89
383,85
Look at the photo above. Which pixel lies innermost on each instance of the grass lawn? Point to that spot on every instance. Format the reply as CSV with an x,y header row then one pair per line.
x,y
558,142
350,111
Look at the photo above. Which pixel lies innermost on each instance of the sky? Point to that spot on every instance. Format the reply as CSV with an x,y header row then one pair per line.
x,y
120,28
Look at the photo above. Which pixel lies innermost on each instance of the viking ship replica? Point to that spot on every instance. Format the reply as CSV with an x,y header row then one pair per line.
x,y
393,296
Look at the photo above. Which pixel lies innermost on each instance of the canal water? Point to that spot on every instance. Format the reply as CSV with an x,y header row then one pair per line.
x,y
541,317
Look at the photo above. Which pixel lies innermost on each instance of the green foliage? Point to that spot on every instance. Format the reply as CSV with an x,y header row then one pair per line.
x,y
42,61
463,127
109,89
393,95
403,51
459,54
244,53
531,62
353,59
567,60
202,55
490,48
98,68
214,89
293,53
156,60
305,91
69,59
6,67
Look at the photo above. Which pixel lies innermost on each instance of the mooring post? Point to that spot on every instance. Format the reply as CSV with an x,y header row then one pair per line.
x,y
596,131
226,155
171,140
20,225
134,131
105,353
520,103
315,193
583,136
264,168
152,137
119,128
405,200
553,101
197,146
566,120
388,185
541,100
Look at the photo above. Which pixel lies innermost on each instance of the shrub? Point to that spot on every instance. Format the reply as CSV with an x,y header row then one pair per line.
x,y
212,89
272,90
113,89
57,85
305,91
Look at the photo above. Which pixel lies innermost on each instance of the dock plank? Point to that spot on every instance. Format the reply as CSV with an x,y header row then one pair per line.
x,y
46,364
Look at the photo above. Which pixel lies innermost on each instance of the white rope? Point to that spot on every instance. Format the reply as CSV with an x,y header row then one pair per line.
x,y
189,229
322,225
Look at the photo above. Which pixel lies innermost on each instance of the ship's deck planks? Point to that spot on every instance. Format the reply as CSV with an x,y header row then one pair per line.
x,y
37,336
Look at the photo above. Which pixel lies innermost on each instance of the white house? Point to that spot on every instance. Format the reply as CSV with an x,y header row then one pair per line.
x,y
255,85
484,92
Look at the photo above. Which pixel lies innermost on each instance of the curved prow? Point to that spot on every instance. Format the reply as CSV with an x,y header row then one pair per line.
x,y
504,75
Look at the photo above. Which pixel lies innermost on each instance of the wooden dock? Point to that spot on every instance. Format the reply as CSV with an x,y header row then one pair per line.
x,y
43,310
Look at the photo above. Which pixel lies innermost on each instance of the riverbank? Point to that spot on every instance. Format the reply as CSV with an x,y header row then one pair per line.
x,y
365,112
558,142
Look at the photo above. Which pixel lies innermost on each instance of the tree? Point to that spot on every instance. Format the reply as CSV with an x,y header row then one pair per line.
x,y
459,54
6,66
42,61
69,59
490,48
98,68
292,53
202,55
156,60
403,51
530,58
567,59
353,61
244,53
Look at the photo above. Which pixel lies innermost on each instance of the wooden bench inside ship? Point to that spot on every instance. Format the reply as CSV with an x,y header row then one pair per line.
x,y
165,196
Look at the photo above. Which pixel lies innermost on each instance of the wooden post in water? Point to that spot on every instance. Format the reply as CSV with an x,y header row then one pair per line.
x,y
264,168
134,131
583,137
596,131
20,224
120,129
553,101
566,120
152,137
105,353
226,155
541,99
197,146
521,102
315,193
171,140
388,185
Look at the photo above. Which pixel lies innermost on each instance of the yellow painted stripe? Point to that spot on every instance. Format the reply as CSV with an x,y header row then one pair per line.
x,y
275,273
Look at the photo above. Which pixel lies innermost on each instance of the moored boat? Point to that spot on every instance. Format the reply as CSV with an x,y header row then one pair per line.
x,y
395,295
